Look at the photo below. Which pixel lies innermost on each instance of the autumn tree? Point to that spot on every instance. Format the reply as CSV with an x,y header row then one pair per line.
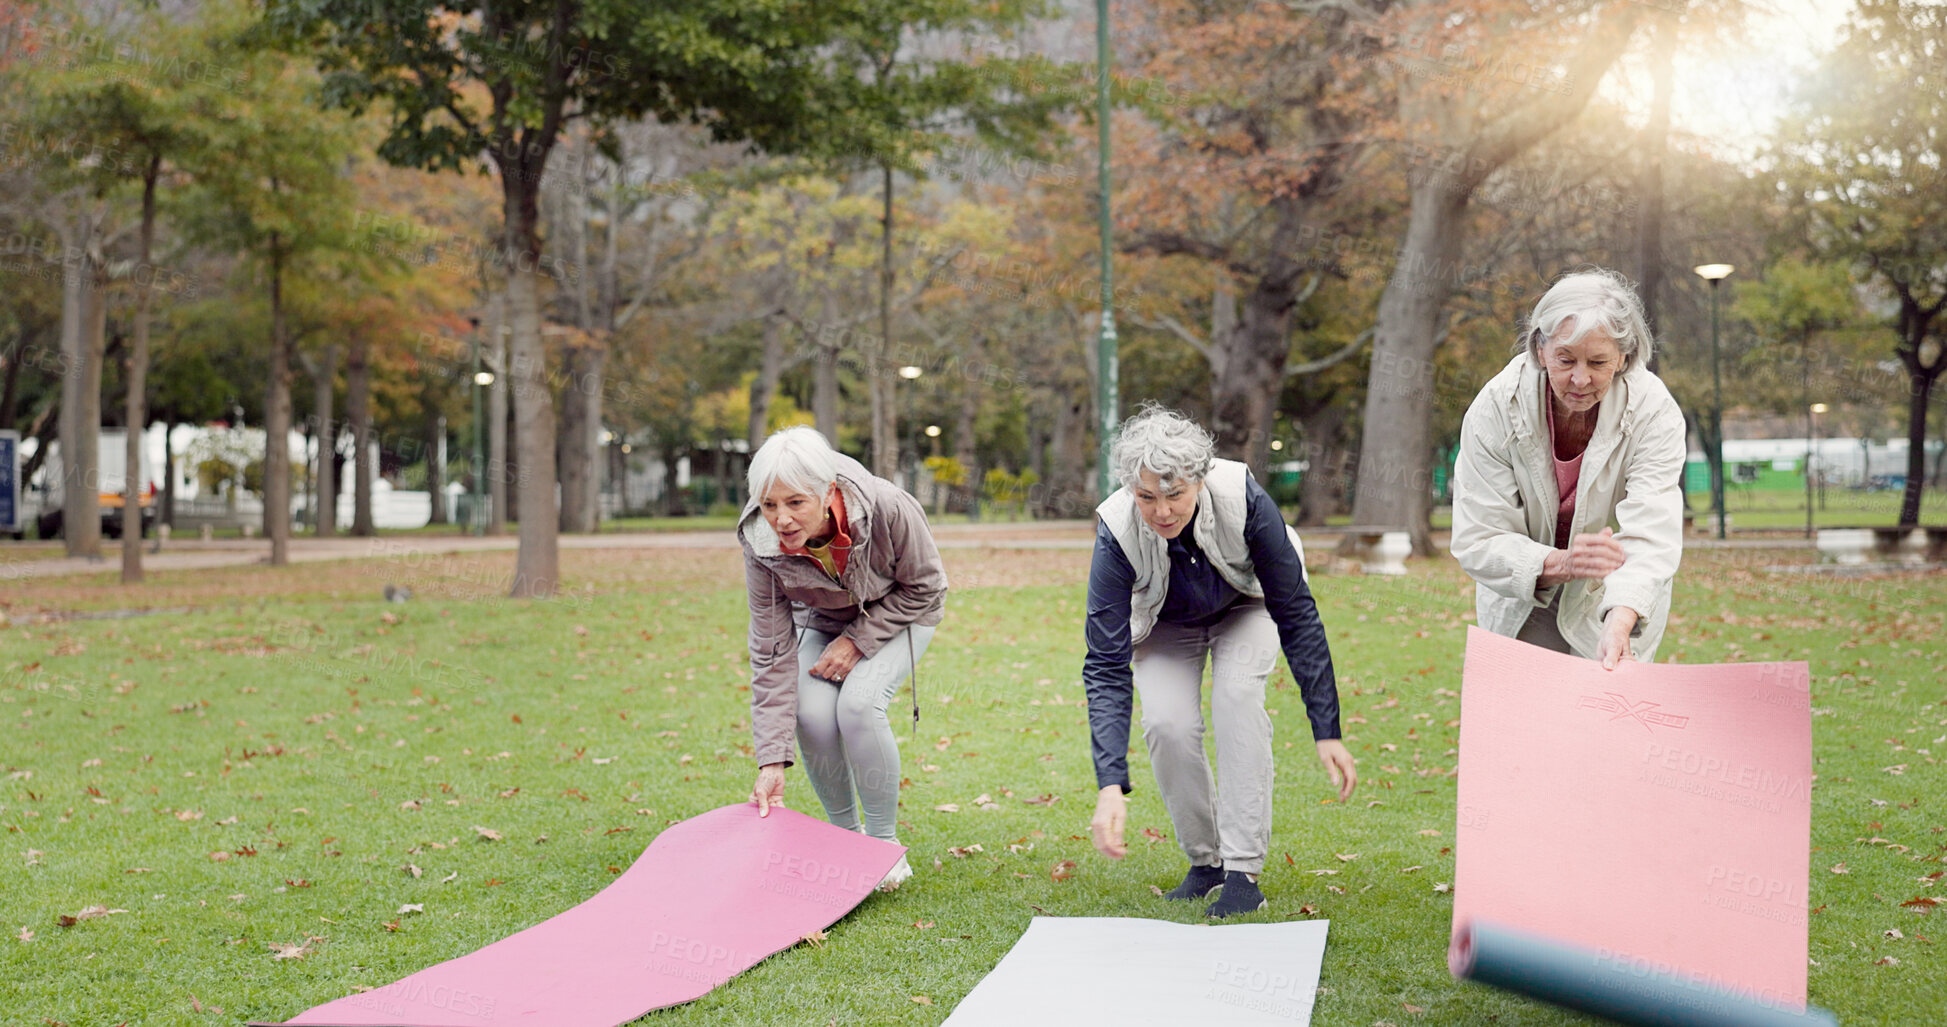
x,y
1865,168
1476,85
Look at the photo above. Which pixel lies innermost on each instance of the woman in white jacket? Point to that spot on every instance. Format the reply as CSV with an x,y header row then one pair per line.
x,y
1568,502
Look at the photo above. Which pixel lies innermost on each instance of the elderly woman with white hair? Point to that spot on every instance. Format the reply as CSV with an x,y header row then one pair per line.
x,y
845,588
1567,501
1194,563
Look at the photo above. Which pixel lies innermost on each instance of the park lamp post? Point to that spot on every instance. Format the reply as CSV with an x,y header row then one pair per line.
x,y
1811,450
482,378
1105,343
911,373
1715,273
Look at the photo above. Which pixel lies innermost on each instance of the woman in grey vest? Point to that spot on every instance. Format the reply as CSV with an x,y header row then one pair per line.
x,y
1194,562
1567,494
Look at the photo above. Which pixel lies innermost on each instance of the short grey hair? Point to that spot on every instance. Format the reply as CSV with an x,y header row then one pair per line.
x,y
800,458
1163,442
1597,298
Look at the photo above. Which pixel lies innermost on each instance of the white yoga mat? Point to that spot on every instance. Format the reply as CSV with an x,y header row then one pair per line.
x,y
1124,970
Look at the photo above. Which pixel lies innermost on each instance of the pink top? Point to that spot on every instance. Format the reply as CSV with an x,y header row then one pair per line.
x,y
1567,473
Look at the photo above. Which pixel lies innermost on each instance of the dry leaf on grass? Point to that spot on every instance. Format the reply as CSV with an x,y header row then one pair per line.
x,y
298,951
1063,870
922,1000
487,834
816,938
25,934
947,807
91,913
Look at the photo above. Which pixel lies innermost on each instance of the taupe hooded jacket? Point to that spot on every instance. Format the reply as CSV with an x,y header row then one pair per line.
x,y
893,577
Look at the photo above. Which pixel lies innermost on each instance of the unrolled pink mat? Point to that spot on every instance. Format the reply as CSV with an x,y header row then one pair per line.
x,y
1659,814
710,897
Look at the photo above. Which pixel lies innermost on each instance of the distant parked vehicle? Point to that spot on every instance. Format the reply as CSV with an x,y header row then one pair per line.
x,y
111,453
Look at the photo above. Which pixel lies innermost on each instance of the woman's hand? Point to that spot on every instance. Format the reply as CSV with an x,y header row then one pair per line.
x,y
1338,763
1587,556
1111,816
1616,628
837,660
769,789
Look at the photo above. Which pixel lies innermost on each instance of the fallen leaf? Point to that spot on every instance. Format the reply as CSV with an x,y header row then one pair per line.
x,y
1893,934
33,857
1155,890
963,851
1321,873
923,924
1430,833
298,951
390,925
1307,909
1345,857
816,938
412,907
1045,799
1409,1007
1152,836
450,878
1887,961
983,799
1840,868
1442,886
138,870
219,856
1924,903
411,869
487,834
90,912
187,815
1063,870
1408,870
947,807
25,934
922,1000
409,805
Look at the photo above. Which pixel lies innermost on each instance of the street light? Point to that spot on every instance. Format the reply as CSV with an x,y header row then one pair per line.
x,y
1817,409
1715,273
911,371
481,377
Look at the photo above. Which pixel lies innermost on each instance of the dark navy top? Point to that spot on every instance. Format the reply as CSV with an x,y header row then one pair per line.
x,y
1199,597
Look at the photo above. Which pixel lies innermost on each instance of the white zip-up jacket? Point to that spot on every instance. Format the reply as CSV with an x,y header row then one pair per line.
x,y
1505,501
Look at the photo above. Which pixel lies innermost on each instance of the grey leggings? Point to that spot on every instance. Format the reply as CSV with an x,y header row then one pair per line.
x,y
843,733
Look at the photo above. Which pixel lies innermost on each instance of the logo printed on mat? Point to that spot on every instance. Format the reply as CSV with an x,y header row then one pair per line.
x,y
1644,713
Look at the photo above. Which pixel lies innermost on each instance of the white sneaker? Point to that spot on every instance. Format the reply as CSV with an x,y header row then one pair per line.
x,y
897,875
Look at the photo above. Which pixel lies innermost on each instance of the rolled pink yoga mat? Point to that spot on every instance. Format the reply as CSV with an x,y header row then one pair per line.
x,y
711,897
1656,817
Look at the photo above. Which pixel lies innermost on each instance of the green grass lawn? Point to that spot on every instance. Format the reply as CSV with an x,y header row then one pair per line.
x,y
268,768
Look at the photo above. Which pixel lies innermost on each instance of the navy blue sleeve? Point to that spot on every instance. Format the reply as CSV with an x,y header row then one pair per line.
x,y
1289,601
1106,676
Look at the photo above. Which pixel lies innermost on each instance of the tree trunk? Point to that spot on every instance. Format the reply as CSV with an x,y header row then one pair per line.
x,y
1246,382
763,388
10,385
325,524
966,427
1395,476
1655,143
135,406
80,432
879,369
581,437
358,411
277,418
1920,381
434,427
1322,487
537,566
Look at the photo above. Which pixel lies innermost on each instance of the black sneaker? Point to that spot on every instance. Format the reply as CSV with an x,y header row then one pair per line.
x,y
1200,881
1241,895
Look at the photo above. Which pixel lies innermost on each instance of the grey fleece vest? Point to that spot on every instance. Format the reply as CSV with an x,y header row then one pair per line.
x,y
1218,530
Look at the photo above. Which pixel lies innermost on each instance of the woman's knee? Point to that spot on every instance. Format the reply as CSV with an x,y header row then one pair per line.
x,y
1172,729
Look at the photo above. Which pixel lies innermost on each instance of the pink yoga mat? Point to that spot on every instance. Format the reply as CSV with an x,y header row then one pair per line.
x,y
1659,814
710,897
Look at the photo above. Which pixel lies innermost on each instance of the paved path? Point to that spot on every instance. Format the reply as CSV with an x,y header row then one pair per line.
x,y
40,560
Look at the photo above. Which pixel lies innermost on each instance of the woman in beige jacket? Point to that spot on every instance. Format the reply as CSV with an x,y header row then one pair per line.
x,y
1568,502
845,588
